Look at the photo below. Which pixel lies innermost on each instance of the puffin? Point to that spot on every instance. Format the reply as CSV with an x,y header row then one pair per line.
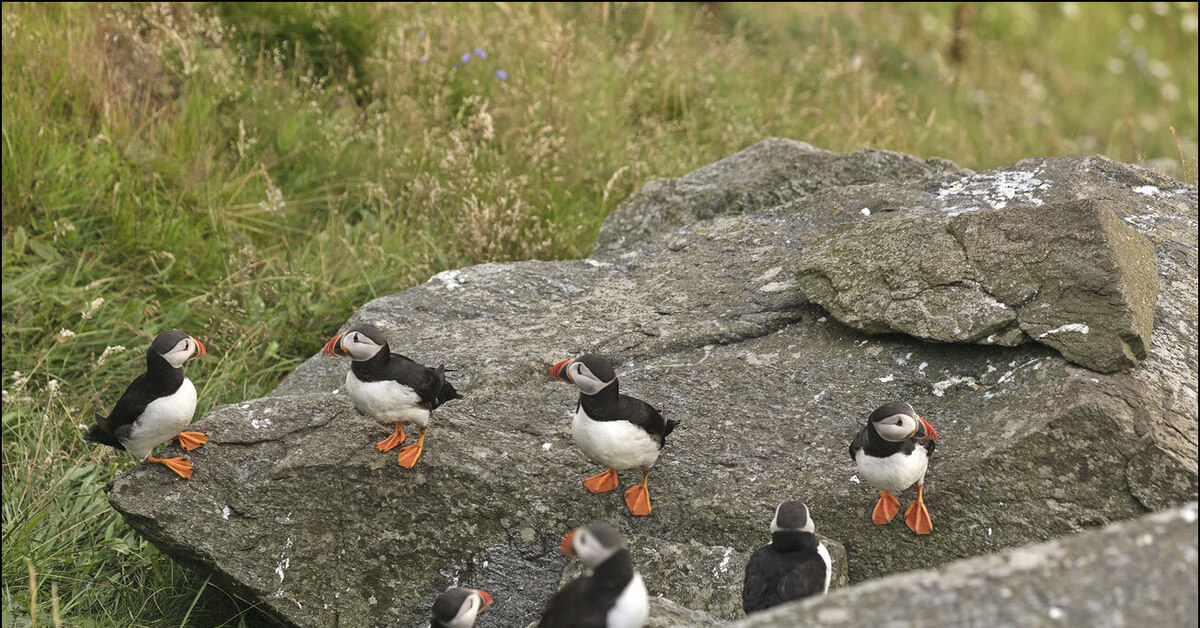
x,y
892,452
157,406
390,387
793,566
614,430
457,607
613,596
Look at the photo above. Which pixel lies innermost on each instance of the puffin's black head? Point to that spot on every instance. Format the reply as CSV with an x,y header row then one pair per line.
x,y
896,421
177,347
792,517
361,342
590,372
593,544
457,607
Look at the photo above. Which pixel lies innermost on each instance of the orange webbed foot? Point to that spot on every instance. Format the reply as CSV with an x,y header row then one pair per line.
x,y
916,516
191,440
885,508
602,483
178,465
637,498
390,443
408,455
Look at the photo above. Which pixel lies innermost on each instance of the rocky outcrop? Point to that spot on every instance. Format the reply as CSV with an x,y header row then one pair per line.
x,y
1070,275
1138,573
697,302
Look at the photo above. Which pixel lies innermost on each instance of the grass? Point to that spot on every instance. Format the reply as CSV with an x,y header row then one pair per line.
x,y
251,174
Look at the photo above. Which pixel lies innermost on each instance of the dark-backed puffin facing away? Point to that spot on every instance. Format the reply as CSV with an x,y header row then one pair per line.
x,y
389,387
157,406
457,607
614,596
794,565
892,452
615,430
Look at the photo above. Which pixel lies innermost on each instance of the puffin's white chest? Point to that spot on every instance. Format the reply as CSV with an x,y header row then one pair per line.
x,y
163,419
895,472
616,444
387,401
824,554
632,608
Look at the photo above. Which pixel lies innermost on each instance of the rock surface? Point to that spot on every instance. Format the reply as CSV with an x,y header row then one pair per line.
x,y
1070,275
692,291
1137,573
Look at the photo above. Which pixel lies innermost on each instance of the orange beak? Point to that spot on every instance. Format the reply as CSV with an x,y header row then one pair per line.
x,y
559,371
925,431
487,598
333,347
566,544
200,350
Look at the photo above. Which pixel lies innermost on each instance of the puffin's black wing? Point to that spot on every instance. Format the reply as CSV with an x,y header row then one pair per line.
x,y
429,384
859,442
805,579
572,608
646,417
115,427
762,572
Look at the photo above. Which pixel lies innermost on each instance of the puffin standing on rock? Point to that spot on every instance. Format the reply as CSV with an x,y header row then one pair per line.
x,y
615,430
892,452
457,607
795,565
157,406
389,387
614,596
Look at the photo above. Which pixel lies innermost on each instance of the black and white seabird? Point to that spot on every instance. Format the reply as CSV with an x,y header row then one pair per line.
x,y
389,387
892,452
613,596
794,565
157,406
457,607
615,430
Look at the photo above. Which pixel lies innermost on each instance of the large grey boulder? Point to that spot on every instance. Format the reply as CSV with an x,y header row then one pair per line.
x,y
1070,275
1137,573
702,315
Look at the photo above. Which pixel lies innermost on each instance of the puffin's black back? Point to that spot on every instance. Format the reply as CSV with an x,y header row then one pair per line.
x,y
586,601
429,384
787,569
160,380
610,405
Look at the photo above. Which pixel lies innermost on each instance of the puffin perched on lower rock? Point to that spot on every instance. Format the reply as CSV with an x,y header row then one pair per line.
x,y
615,430
390,387
457,607
892,452
793,566
613,596
157,406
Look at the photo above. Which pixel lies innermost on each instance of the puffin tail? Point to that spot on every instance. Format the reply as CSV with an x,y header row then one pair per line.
x,y
446,391
100,435
671,423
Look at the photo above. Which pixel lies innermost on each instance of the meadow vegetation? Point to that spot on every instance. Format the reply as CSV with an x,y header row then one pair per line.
x,y
251,173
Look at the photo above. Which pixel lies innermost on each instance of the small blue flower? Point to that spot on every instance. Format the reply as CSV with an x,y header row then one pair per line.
x,y
420,35
481,53
466,57
502,75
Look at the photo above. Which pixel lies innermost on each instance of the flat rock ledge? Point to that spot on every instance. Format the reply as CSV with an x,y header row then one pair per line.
x,y
693,291
1137,573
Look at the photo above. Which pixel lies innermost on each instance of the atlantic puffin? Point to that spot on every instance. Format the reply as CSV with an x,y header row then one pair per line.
x,y
157,406
892,452
613,596
793,566
457,607
614,430
389,387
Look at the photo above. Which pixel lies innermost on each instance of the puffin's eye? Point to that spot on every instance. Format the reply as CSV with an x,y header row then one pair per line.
x,y
355,337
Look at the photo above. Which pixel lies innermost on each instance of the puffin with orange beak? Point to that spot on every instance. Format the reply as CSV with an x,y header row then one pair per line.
x,y
613,596
892,452
389,387
457,607
611,429
157,406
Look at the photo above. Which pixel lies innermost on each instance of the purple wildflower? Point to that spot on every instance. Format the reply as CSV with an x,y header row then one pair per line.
x,y
466,57
424,59
481,53
502,75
